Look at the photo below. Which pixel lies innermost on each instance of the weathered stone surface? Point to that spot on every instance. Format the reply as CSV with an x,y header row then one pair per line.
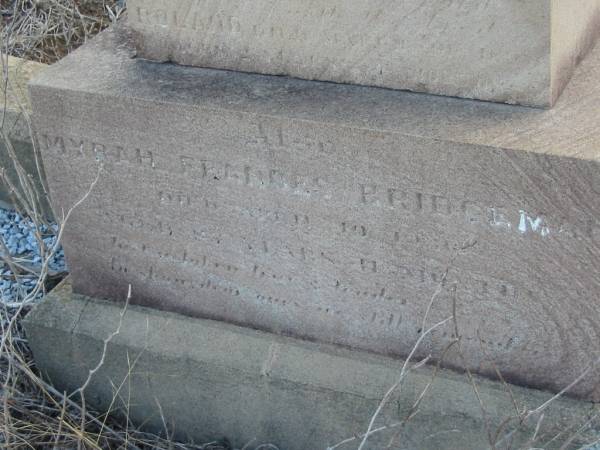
x,y
510,51
214,380
575,26
14,113
332,212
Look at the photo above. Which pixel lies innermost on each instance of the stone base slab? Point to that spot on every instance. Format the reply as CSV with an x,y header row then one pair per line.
x,y
213,380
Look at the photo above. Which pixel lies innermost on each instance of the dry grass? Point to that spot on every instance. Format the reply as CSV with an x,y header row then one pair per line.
x,y
35,415
46,30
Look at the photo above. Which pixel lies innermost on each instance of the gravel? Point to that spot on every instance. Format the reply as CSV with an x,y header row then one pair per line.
x,y
18,235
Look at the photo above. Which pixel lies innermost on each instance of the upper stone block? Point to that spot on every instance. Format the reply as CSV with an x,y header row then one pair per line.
x,y
510,51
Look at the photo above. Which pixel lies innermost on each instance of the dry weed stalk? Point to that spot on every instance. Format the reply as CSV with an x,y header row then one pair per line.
x,y
502,436
405,370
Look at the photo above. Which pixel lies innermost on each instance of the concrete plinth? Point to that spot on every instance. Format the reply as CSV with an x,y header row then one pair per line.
x,y
215,380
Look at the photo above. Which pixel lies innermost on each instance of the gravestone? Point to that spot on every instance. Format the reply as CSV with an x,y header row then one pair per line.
x,y
511,51
333,213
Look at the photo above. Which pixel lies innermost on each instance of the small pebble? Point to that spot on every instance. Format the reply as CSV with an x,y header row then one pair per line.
x,y
19,237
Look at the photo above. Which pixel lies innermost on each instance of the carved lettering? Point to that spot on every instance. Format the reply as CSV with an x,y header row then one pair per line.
x,y
54,144
358,230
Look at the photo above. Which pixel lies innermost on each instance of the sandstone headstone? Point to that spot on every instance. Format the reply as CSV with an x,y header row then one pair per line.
x,y
334,212
511,51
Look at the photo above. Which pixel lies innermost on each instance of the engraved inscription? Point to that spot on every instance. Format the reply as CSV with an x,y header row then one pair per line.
x,y
371,245
427,206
